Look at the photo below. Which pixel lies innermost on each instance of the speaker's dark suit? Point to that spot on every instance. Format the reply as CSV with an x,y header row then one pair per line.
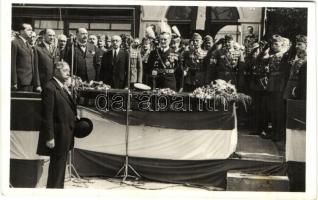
x,y
45,62
58,121
23,70
86,64
114,71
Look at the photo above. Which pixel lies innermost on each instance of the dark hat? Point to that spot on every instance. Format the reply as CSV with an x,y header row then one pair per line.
x,y
176,38
220,41
208,38
83,127
228,37
108,38
301,38
145,40
196,36
277,38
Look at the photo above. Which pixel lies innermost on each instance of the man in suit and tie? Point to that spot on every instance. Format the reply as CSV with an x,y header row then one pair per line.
x,y
24,73
59,114
86,61
62,48
47,55
114,68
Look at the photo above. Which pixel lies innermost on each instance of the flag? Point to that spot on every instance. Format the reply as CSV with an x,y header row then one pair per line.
x,y
198,18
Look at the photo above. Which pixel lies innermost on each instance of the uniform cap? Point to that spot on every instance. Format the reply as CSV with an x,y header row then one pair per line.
x,y
301,38
196,36
208,38
228,37
277,38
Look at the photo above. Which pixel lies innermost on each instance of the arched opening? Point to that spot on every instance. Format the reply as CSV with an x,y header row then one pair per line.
x,y
184,17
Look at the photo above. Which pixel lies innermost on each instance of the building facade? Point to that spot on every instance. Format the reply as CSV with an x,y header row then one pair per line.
x,y
133,19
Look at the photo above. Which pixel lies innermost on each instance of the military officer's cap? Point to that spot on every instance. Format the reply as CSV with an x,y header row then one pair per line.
x,y
228,37
208,38
196,36
145,40
301,38
277,38
255,46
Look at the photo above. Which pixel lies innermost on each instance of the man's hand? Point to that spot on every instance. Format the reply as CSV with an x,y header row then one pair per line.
x,y
38,89
50,144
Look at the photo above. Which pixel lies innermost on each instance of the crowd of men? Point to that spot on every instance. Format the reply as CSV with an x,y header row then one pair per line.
x,y
270,71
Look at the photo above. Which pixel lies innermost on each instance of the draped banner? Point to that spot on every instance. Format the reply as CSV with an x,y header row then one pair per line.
x,y
296,131
163,135
296,144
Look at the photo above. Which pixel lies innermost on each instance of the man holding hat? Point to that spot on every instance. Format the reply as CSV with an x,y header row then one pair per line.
x,y
195,65
277,72
228,61
163,61
59,114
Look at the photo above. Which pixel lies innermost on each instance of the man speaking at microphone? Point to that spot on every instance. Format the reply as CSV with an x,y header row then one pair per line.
x,y
57,127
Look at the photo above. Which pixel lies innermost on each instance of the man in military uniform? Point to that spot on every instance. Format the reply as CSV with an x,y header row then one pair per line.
x,y
195,65
249,40
136,67
163,63
228,61
278,70
296,85
145,52
207,42
175,45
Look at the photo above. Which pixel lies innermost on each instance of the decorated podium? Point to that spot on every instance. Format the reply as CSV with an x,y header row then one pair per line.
x,y
173,137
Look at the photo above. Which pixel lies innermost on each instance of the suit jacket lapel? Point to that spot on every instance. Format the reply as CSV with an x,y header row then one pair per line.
x,y
24,45
66,96
120,52
45,50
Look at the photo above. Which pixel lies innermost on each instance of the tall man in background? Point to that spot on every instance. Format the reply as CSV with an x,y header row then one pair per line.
x,y
86,61
47,56
114,70
24,73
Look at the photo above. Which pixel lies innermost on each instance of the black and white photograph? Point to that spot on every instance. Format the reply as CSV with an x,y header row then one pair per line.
x,y
158,99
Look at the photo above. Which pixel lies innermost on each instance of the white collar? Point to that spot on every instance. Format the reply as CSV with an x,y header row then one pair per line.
x,y
164,50
59,82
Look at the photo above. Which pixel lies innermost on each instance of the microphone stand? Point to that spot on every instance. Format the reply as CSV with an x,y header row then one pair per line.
x,y
70,167
124,170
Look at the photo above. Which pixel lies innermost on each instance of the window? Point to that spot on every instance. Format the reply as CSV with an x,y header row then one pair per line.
x,y
56,25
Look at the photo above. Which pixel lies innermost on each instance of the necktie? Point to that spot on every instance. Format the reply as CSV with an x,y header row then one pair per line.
x,y
115,54
50,49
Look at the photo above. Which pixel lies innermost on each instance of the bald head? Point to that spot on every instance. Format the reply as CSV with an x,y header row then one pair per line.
x,y
82,35
49,36
116,41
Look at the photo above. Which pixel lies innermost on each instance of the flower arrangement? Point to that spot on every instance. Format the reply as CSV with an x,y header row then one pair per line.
x,y
221,91
92,85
